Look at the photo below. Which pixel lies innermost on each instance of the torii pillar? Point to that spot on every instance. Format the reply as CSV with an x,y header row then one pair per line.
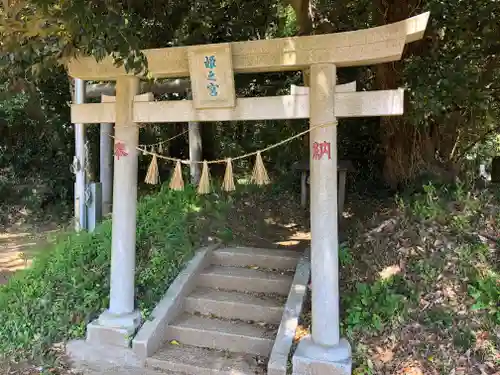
x,y
121,319
324,352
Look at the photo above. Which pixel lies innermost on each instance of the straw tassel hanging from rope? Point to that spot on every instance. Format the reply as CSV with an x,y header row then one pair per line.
x,y
153,176
204,186
259,175
177,183
228,184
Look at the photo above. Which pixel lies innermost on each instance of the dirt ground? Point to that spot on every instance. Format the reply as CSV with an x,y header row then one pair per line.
x,y
19,244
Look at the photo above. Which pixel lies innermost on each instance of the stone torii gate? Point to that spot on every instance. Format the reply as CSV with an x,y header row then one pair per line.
x,y
211,69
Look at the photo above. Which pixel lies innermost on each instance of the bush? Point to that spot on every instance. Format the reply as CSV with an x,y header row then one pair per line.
x,y
68,285
373,307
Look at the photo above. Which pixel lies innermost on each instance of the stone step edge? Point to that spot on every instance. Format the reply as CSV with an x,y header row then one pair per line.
x,y
265,259
234,305
223,334
177,358
151,335
220,340
245,280
278,359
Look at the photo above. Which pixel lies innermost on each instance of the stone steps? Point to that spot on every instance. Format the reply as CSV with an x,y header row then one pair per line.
x,y
221,334
235,305
186,359
230,319
245,256
245,280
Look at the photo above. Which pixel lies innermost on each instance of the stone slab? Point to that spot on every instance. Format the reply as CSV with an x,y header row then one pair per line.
x,y
213,333
98,334
202,361
312,359
278,359
100,358
245,280
234,305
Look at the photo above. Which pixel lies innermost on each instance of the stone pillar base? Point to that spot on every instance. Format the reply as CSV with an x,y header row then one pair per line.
x,y
313,359
114,330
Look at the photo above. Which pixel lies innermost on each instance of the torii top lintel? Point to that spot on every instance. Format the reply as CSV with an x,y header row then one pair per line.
x,y
353,48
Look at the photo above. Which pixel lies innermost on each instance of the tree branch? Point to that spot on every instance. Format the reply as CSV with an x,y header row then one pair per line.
x,y
479,139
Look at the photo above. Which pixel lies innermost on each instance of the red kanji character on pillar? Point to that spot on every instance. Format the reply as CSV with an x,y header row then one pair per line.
x,y
320,149
120,150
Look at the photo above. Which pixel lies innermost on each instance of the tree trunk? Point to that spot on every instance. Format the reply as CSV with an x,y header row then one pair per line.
x,y
405,146
303,15
6,5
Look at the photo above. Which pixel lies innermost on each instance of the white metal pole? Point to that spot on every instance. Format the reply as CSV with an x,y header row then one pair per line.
x,y
106,161
106,167
80,162
195,148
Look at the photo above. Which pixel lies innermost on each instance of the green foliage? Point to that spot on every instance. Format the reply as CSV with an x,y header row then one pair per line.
x,y
68,284
439,317
455,206
427,270
453,81
459,64
427,205
12,113
288,21
37,34
464,339
345,256
485,290
374,307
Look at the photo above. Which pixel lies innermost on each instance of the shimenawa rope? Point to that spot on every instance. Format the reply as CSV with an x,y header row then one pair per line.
x,y
259,174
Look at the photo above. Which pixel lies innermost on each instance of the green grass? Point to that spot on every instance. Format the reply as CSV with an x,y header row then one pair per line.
x,y
68,284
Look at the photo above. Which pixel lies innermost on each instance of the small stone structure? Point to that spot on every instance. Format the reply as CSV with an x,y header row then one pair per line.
x,y
211,69
343,167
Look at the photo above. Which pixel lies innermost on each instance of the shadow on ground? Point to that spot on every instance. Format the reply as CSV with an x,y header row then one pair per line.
x,y
18,246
